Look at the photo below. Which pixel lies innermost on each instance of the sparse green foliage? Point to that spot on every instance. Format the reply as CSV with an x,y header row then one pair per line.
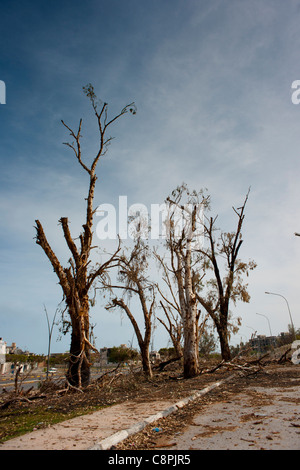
x,y
121,354
207,344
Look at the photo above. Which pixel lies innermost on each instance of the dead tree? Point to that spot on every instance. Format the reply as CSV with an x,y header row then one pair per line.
x,y
182,238
77,279
221,290
133,281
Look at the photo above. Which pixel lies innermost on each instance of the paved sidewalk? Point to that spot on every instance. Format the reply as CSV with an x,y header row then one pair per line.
x,y
83,432
104,428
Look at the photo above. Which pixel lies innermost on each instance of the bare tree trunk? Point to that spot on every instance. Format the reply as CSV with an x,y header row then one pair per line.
x,y
224,344
144,342
146,364
78,373
191,348
187,300
189,316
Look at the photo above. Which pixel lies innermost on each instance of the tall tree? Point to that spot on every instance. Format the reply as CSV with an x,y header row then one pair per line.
x,y
77,279
183,237
216,294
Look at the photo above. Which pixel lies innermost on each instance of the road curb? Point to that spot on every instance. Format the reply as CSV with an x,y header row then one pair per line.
x,y
119,436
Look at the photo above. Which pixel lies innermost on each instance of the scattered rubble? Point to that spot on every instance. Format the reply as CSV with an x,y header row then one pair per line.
x,y
295,348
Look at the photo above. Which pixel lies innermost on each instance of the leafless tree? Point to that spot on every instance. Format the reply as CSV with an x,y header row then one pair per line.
x,y
216,293
133,282
182,239
78,277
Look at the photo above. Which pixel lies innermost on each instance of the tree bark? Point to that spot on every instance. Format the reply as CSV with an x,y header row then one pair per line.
x,y
225,349
190,349
146,364
78,373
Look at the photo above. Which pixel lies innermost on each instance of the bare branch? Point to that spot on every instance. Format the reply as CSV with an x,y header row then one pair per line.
x,y
69,240
93,276
77,139
43,242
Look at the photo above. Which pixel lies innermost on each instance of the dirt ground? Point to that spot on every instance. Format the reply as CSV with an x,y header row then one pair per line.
x,y
115,388
134,398
256,412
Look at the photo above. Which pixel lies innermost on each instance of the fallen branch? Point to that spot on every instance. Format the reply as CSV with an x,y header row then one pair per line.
x,y
107,373
13,400
177,377
210,371
245,367
162,365
27,400
257,361
73,387
114,378
283,357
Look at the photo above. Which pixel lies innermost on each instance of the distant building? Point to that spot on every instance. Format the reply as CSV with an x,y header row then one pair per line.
x,y
2,356
11,349
262,343
5,351
154,356
103,359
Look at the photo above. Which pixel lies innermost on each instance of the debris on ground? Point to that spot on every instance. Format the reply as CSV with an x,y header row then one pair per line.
x,y
118,386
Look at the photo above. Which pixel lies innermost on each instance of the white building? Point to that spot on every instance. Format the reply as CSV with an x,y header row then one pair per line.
x,y
2,356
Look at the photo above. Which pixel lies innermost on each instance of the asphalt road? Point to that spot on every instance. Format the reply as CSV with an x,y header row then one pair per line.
x,y
256,412
261,419
31,379
7,381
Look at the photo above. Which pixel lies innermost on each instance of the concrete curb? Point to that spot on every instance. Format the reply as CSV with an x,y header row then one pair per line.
x,y
119,436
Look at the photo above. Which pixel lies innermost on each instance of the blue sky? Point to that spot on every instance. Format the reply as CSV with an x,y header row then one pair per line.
x,y
212,85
